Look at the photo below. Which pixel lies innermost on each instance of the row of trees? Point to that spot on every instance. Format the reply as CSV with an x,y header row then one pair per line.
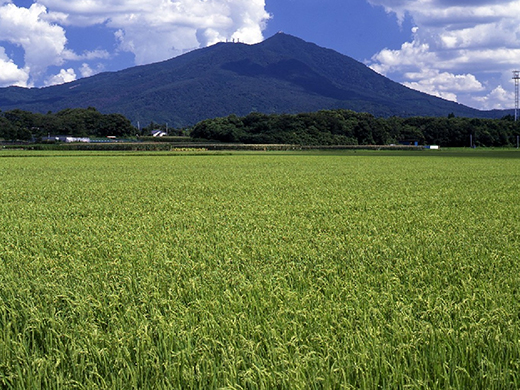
x,y
77,122
345,127
327,127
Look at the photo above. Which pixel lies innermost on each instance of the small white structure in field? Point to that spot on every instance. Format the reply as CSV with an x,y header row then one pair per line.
x,y
77,139
65,138
158,133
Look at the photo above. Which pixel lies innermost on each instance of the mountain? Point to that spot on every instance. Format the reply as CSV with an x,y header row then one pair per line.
x,y
282,74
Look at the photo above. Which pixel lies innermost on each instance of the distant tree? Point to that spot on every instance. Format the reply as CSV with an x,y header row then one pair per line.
x,y
7,129
85,122
114,124
228,129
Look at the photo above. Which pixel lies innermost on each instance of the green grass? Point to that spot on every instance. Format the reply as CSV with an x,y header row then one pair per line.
x,y
258,271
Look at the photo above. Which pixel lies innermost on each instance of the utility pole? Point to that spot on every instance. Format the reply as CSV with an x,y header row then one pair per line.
x,y
516,77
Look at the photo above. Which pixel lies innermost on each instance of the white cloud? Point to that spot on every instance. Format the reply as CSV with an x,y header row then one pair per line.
x,y
43,43
10,74
445,85
498,98
65,76
152,30
155,30
455,45
88,55
86,70
411,56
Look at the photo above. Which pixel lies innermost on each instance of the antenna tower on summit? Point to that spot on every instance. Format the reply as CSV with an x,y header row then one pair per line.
x,y
516,77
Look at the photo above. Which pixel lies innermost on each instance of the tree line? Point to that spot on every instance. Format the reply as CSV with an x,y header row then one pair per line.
x,y
326,127
77,122
345,127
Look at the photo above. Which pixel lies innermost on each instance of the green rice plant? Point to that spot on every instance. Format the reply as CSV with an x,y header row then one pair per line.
x,y
260,270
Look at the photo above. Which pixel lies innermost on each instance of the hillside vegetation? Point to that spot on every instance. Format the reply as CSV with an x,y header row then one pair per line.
x,y
283,74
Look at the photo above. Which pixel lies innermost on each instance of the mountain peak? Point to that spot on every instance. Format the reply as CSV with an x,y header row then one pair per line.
x,y
282,74
281,35
281,39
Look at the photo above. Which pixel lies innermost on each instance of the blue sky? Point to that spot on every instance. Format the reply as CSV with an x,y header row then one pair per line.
x,y
460,50
351,27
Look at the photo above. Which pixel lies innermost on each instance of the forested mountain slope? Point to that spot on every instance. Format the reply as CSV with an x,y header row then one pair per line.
x,y
283,74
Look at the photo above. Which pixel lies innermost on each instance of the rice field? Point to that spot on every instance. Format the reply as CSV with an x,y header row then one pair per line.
x,y
345,270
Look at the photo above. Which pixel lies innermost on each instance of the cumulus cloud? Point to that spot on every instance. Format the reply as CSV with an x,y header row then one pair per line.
x,y
86,70
43,43
10,74
445,85
151,30
498,98
65,76
155,30
452,43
